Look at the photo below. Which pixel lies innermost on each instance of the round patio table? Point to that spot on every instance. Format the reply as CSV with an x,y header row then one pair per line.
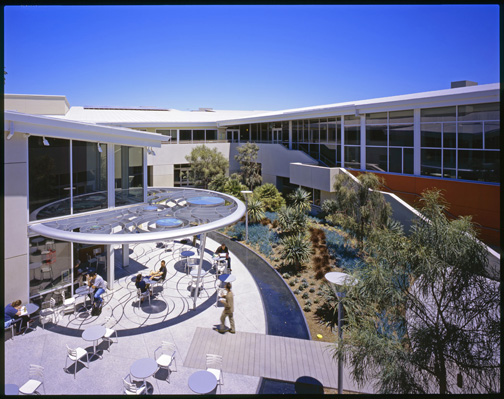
x,y
202,382
143,368
94,333
84,291
11,389
227,278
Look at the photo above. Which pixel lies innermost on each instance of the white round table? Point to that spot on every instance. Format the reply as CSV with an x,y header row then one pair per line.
x,y
202,382
94,333
143,368
83,291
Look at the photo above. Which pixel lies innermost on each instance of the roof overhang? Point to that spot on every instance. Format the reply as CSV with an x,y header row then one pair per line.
x,y
60,128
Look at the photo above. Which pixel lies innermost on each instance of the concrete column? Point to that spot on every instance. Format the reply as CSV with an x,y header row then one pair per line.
x,y
144,168
111,175
125,255
109,253
363,142
290,135
417,142
198,279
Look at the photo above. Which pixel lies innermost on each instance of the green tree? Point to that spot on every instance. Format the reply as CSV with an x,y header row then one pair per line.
x,y
234,188
270,197
251,170
422,312
292,221
255,210
361,207
296,249
300,200
206,164
218,183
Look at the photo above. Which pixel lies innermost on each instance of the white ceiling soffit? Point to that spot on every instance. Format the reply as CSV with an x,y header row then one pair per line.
x,y
59,128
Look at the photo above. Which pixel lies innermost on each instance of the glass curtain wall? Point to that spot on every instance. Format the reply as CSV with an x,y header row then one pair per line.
x,y
128,175
89,176
352,142
461,142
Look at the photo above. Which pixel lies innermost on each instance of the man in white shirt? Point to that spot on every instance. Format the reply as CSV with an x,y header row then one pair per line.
x,y
99,285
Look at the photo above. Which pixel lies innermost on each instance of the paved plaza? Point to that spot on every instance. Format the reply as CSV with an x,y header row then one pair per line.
x,y
169,317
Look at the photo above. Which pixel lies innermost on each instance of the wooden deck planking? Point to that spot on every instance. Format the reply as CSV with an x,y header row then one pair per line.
x,y
262,355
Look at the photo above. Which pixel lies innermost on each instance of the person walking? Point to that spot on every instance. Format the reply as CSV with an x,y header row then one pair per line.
x,y
228,302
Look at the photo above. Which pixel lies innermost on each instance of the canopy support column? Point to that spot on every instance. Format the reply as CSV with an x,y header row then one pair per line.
x,y
198,279
125,255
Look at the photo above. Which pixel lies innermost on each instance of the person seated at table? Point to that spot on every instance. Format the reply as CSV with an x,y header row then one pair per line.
x,y
140,283
160,274
99,285
224,250
13,312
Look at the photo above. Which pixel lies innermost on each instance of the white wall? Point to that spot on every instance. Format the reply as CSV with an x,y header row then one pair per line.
x,y
15,218
37,105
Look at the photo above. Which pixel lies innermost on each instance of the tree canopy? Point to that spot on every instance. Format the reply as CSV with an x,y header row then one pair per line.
x,y
206,164
250,169
423,318
269,195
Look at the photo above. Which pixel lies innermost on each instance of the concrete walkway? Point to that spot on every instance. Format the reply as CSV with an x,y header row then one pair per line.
x,y
139,332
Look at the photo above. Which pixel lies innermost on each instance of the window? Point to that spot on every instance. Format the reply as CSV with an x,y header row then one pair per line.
x,y
128,175
49,177
376,159
443,114
376,118
492,135
171,135
185,135
470,135
352,135
401,135
89,176
352,157
430,162
479,112
376,135
198,135
401,116
431,135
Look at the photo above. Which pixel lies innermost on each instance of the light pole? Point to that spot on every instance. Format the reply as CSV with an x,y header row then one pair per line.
x,y
337,279
246,195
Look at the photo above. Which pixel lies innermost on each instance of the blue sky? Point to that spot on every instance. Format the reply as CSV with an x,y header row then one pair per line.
x,y
246,57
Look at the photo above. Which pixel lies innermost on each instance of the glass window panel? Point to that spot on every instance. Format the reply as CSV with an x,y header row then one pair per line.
x,y
352,135
323,130
430,163
449,159
171,135
479,112
49,265
198,135
450,173
49,177
128,175
264,132
351,120
376,135
352,157
89,176
83,253
211,135
306,131
491,166
470,135
185,135
443,114
431,134
254,132
285,132
408,160
314,130
376,118
331,130
449,135
401,135
314,150
492,135
401,116
395,161
328,154
470,164
376,159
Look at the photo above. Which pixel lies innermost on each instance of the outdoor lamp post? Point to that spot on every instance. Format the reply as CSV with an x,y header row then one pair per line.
x,y
246,195
337,279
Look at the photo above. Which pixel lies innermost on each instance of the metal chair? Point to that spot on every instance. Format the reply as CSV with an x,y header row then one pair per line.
x,y
190,263
75,355
109,331
12,325
166,356
48,310
131,388
214,366
36,375
141,295
68,303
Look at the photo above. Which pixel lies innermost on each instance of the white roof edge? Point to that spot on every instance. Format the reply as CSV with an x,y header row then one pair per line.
x,y
87,238
41,96
350,105
153,139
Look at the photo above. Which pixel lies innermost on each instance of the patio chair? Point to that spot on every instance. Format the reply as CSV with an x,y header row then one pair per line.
x,y
12,326
166,357
214,366
190,263
109,331
36,375
131,388
68,303
46,268
141,295
48,311
75,355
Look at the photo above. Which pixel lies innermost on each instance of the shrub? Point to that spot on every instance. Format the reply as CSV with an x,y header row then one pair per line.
x,y
292,283
316,300
297,292
301,288
286,275
270,197
312,290
307,308
305,295
296,250
292,221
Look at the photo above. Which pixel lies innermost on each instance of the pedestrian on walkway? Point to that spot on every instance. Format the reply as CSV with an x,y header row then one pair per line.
x,y
228,302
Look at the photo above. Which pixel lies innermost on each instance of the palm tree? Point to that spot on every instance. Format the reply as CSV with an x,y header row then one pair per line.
x,y
297,249
300,200
255,210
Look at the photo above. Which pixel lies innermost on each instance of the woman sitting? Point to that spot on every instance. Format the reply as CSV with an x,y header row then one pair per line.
x,y
142,285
